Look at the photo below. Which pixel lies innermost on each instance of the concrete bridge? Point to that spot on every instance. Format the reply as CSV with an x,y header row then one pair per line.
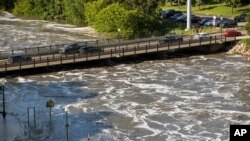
x,y
46,57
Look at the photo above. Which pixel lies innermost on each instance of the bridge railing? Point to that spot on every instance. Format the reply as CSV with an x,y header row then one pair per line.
x,y
41,50
112,52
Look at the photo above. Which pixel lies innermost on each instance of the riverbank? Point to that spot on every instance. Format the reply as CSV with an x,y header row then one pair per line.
x,y
242,48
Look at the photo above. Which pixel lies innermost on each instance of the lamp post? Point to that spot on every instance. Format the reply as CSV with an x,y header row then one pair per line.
x,y
119,30
67,125
2,91
221,18
189,2
50,104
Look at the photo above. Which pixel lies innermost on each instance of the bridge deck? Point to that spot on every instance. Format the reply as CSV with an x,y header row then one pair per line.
x,y
110,51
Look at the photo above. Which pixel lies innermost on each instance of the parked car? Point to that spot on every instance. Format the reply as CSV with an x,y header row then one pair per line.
x,y
19,58
70,49
90,50
240,18
201,35
182,18
228,23
204,20
230,33
213,22
175,16
195,19
171,38
167,13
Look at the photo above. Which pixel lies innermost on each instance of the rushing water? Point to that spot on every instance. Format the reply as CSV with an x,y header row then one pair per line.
x,y
180,99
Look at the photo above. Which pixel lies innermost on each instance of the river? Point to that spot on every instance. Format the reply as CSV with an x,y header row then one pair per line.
x,y
192,98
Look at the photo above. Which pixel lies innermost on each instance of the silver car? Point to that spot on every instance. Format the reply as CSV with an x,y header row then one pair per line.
x,y
201,35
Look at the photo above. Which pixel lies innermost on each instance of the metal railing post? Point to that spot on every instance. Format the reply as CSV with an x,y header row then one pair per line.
x,y
99,54
20,64
5,65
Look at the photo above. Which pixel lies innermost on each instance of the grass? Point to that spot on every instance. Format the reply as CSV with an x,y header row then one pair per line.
x,y
212,9
179,28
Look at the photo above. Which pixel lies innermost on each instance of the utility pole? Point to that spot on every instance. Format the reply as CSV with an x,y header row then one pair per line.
x,y
188,15
67,125
2,91
49,105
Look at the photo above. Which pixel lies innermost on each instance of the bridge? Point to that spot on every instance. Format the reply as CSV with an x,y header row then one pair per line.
x,y
49,56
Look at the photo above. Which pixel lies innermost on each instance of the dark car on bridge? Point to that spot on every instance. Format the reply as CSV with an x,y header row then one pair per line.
x,y
70,49
15,58
90,50
171,39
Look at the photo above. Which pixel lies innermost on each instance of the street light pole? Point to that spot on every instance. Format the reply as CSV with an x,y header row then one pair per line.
x,y
67,126
119,30
49,105
221,18
188,15
2,90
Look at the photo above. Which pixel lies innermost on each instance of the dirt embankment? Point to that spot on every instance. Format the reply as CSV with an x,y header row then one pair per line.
x,y
241,48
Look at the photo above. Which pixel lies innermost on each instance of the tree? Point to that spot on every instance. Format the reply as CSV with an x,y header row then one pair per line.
x,y
199,3
144,6
7,4
74,11
92,9
248,25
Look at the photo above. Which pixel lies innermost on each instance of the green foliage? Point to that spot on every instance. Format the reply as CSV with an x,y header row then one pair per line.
x,y
144,6
247,42
7,4
112,18
57,10
248,25
74,11
92,9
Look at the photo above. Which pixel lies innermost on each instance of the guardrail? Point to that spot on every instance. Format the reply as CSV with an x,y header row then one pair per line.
x,y
43,61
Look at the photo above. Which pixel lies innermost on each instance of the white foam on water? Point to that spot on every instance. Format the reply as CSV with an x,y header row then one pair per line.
x,y
71,28
23,80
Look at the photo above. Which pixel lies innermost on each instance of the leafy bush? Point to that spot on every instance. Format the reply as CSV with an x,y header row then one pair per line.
x,y
248,24
92,9
74,11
